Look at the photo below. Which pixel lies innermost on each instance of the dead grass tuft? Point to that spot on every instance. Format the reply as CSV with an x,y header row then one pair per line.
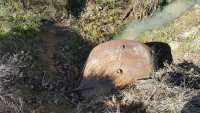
x,y
169,90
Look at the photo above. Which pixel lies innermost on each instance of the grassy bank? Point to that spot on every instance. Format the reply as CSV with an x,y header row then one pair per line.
x,y
48,38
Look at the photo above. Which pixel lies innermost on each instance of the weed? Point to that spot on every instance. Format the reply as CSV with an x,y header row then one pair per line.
x,y
168,90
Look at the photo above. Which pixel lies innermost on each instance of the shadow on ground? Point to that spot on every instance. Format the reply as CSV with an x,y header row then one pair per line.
x,y
187,75
184,74
193,106
75,7
95,85
62,45
162,53
56,57
137,107
60,49
170,83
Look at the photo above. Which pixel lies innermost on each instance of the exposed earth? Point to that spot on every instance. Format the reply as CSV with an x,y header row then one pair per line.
x,y
51,85
58,41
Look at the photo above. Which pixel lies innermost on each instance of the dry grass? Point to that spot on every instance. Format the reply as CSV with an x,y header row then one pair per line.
x,y
10,72
21,92
169,90
182,34
173,89
102,20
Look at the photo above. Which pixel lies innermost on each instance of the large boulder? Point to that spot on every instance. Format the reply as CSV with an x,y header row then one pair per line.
x,y
115,64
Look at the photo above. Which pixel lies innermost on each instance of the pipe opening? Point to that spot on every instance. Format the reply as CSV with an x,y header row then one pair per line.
x,y
123,46
120,71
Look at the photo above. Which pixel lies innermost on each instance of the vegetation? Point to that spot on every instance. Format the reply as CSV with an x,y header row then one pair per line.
x,y
182,34
44,45
169,90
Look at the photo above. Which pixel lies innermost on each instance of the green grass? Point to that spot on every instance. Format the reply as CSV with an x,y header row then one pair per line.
x,y
20,20
184,30
16,23
104,20
95,21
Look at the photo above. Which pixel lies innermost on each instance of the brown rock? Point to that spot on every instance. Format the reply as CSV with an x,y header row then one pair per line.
x,y
114,64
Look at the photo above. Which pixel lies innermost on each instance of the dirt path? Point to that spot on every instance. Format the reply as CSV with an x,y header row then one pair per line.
x,y
57,66
50,36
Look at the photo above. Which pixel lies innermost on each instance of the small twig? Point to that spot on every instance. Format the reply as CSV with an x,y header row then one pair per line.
x,y
127,13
